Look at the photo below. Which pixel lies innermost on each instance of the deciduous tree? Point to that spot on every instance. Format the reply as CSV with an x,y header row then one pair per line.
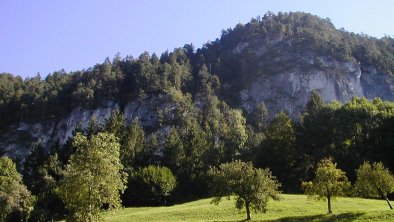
x,y
251,186
14,195
328,183
155,182
93,178
374,180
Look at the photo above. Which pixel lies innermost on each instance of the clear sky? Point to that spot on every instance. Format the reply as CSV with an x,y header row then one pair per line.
x,y
49,35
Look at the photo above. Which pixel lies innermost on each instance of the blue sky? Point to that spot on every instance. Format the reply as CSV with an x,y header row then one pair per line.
x,y
46,35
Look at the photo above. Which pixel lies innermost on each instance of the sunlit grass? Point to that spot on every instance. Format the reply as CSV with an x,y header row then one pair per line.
x,y
294,208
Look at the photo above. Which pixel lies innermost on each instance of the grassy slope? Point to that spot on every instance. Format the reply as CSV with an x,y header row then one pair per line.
x,y
294,208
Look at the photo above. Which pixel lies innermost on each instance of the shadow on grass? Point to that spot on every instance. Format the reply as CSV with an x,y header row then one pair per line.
x,y
345,217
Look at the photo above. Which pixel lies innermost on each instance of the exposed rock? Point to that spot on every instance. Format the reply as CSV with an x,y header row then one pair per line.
x,y
283,78
240,47
19,139
17,142
289,90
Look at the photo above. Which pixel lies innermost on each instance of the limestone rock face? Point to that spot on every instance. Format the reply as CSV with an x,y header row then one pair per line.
x,y
289,90
292,76
17,142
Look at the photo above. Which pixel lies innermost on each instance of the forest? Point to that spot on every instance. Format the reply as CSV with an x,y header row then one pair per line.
x,y
170,161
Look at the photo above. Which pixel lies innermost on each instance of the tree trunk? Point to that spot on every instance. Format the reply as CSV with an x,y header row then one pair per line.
x,y
388,202
248,214
329,204
90,202
384,197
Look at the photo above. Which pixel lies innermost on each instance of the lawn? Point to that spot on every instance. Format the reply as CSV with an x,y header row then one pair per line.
x,y
293,208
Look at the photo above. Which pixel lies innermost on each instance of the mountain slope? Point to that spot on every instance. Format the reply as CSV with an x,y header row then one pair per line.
x,y
275,59
279,59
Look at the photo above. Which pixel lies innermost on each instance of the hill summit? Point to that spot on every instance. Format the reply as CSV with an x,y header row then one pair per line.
x,y
279,59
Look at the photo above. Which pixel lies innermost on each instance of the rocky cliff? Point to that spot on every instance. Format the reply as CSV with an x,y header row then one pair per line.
x,y
289,90
20,137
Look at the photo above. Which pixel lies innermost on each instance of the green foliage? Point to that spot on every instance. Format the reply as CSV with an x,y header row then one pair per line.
x,y
115,124
48,205
329,182
153,184
278,151
32,173
160,180
374,180
351,133
133,145
150,154
235,135
314,105
173,150
93,177
251,186
207,83
184,152
14,195
259,117
42,172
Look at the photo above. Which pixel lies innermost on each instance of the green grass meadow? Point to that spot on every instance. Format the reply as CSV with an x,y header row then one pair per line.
x,y
292,208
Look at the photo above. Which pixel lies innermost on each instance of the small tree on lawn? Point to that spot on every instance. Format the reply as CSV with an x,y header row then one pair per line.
x,y
328,183
374,180
251,186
